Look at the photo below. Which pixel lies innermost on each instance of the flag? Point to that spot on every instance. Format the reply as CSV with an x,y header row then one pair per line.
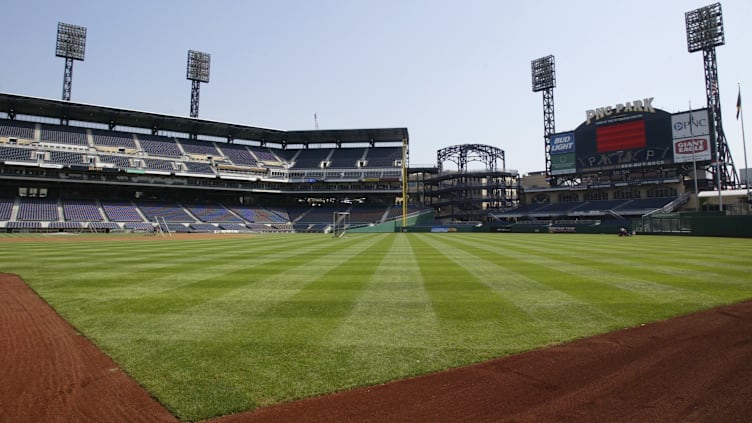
x,y
739,104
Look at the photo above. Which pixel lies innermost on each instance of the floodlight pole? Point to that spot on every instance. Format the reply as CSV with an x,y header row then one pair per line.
x,y
704,33
197,72
544,79
67,79
195,86
70,45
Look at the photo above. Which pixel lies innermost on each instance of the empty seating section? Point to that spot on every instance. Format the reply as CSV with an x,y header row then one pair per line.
x,y
164,211
6,208
113,139
247,213
383,156
104,225
309,159
396,211
120,162
201,148
118,211
264,155
24,225
66,157
240,227
15,154
213,214
554,209
38,209
81,211
15,129
644,205
174,227
64,135
367,214
346,157
199,167
265,215
65,225
159,146
159,164
261,215
140,226
238,155
202,227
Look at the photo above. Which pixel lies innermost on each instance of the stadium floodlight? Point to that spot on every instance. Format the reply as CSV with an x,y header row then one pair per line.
x,y
71,45
544,73
71,41
197,72
704,28
198,66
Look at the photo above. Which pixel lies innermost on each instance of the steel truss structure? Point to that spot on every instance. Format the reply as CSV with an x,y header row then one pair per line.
x,y
543,72
468,195
704,33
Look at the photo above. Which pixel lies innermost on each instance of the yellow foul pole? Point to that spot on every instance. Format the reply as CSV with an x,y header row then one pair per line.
x,y
404,182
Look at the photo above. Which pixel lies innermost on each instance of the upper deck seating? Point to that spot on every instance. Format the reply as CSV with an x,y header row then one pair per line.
x,y
383,156
310,159
159,146
238,155
346,157
159,164
199,148
16,129
120,162
199,167
15,154
112,139
66,158
63,135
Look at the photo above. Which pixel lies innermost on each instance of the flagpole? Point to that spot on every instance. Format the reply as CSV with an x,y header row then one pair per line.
x,y
744,139
694,161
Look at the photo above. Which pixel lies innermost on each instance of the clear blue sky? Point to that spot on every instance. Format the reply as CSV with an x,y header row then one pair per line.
x,y
451,72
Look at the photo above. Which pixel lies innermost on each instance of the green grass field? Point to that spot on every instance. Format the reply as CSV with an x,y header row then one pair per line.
x,y
216,326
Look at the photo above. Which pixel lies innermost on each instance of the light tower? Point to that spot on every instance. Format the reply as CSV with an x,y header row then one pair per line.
x,y
197,72
544,79
705,33
71,45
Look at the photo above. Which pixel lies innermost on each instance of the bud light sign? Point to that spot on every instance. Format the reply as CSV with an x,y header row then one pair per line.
x,y
562,143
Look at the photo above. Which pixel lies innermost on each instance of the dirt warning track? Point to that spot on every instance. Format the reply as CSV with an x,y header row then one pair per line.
x,y
695,368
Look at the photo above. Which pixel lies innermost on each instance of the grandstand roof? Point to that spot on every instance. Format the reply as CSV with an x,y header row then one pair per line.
x,y
58,109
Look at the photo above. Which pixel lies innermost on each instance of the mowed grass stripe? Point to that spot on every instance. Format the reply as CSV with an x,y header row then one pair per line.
x,y
270,315
394,309
710,271
615,294
543,304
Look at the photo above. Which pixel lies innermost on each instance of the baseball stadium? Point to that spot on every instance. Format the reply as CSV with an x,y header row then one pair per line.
x,y
161,268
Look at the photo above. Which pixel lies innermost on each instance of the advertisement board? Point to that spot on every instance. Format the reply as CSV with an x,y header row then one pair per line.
x,y
563,159
691,137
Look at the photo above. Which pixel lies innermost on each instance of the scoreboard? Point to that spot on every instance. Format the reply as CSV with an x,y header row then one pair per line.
x,y
632,139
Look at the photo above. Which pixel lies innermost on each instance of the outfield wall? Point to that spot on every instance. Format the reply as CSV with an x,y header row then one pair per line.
x,y
698,224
